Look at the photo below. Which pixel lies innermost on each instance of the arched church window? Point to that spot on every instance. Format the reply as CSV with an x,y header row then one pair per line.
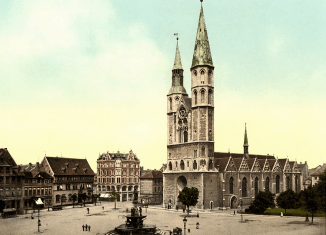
x,y
203,151
210,74
244,187
195,73
210,96
176,164
185,133
195,165
267,185
256,186
202,79
231,186
277,184
180,136
170,101
187,163
210,164
170,166
296,183
287,182
182,165
195,94
202,95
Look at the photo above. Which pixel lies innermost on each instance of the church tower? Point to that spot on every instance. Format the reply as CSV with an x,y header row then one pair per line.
x,y
202,90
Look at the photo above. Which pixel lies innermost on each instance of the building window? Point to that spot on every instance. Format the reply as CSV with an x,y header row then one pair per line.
x,y
170,101
296,183
57,198
277,184
256,186
287,182
7,192
176,164
42,191
210,96
185,136
195,165
170,166
26,192
202,96
267,185
231,185
244,187
182,165
203,151
202,79
195,94
187,163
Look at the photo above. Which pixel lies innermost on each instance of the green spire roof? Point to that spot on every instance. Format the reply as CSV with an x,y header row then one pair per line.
x,y
202,52
177,60
245,137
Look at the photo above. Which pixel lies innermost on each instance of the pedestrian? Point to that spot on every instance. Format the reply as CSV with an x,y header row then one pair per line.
x,y
234,213
86,226
87,210
89,228
140,210
83,227
177,207
103,207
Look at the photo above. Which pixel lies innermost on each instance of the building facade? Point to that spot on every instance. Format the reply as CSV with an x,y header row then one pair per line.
x,y
118,172
71,176
151,188
191,158
11,183
37,184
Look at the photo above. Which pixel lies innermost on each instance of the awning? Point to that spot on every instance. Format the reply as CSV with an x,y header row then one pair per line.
x,y
9,210
105,195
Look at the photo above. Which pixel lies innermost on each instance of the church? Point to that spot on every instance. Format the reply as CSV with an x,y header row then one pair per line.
x,y
223,179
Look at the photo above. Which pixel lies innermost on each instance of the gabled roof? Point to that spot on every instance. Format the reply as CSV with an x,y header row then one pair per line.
x,y
118,156
250,163
31,175
320,171
240,155
5,157
75,166
221,163
282,163
153,174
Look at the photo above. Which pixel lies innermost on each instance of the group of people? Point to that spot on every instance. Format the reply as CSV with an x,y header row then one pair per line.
x,y
85,227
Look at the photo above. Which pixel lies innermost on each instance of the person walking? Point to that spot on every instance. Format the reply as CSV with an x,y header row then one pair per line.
x,y
89,228
234,213
83,227
86,226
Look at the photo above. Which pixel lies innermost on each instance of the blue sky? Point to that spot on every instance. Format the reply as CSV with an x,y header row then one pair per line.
x,y
79,78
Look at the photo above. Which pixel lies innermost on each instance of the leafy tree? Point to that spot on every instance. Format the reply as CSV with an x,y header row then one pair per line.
x,y
94,197
83,197
287,199
321,187
74,198
310,201
262,202
188,197
63,198
115,195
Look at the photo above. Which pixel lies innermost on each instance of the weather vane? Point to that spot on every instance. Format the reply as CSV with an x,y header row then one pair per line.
x,y
176,34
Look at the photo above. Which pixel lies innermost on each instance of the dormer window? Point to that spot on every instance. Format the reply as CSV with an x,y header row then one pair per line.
x,y
67,164
63,169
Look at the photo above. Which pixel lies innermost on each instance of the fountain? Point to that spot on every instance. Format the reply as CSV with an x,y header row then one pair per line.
x,y
134,223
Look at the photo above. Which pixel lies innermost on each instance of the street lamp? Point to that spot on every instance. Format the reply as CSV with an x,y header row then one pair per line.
x,y
185,222
38,202
241,201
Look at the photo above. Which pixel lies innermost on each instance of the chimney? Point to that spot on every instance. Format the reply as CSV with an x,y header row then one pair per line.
x,y
37,166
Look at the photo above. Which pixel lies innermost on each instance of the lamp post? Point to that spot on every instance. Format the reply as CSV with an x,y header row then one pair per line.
x,y
185,222
38,203
241,201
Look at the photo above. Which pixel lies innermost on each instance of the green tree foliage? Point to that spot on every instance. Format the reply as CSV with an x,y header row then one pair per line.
x,y
188,197
310,200
74,198
263,201
321,187
115,195
287,199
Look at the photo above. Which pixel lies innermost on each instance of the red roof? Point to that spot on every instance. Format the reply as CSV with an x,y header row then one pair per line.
x,y
152,174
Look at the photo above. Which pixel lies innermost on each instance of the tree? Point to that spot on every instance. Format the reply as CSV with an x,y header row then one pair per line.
x,y
321,187
188,197
287,199
83,197
94,197
115,195
310,201
263,201
74,198
63,198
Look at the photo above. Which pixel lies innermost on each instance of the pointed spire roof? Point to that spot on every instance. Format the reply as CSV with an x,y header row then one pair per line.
x,y
202,53
177,60
245,143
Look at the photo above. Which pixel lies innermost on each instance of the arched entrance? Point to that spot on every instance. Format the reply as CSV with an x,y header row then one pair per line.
x,y
211,205
234,202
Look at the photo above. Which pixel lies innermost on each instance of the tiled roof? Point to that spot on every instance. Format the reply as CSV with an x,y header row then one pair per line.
x,y
221,163
250,163
237,162
261,163
282,162
4,153
319,171
31,175
271,163
291,164
240,155
75,166
153,174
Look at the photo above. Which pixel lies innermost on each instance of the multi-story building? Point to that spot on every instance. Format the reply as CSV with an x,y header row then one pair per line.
x,y
118,172
222,179
317,173
11,180
37,184
71,176
151,187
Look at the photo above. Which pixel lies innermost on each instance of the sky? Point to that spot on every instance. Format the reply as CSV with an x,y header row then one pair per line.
x,y
79,78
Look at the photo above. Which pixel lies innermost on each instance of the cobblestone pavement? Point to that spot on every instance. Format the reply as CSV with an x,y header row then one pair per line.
x,y
70,221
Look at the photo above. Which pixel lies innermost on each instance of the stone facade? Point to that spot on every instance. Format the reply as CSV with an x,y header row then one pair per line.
x,y
151,188
221,178
118,172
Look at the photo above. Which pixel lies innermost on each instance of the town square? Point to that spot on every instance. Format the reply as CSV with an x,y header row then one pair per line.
x,y
177,117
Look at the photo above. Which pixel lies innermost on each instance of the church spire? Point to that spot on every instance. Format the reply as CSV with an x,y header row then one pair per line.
x,y
245,143
177,60
202,53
